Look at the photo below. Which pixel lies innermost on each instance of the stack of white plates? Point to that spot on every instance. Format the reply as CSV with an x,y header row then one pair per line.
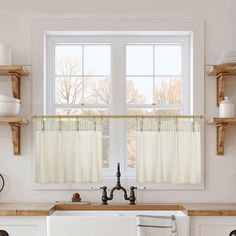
x,y
227,58
9,106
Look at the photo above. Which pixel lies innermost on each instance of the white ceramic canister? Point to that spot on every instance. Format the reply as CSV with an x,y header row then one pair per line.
x,y
5,55
227,108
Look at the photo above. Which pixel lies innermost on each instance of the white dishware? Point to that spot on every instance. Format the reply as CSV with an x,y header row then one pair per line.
x,y
227,57
9,108
8,99
227,53
224,63
5,54
227,108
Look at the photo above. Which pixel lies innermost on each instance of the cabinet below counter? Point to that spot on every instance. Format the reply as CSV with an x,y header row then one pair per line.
x,y
213,226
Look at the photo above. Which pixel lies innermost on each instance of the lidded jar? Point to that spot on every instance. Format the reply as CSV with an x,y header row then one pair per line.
x,y
227,108
5,55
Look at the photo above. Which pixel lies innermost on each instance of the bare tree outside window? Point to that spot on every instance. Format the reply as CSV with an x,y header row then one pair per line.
x,y
169,91
70,90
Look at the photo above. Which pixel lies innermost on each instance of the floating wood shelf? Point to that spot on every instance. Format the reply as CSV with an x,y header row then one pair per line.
x,y
16,72
221,124
221,71
15,123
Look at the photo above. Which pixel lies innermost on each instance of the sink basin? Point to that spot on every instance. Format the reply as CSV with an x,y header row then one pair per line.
x,y
106,223
117,213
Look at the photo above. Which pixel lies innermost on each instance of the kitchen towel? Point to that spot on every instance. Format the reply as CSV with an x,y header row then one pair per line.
x,y
156,225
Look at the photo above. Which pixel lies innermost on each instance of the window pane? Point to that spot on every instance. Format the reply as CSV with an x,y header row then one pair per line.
x,y
131,160
68,59
68,111
131,129
139,90
68,90
97,90
83,111
168,90
168,59
106,150
139,60
99,111
167,112
131,123
105,123
97,59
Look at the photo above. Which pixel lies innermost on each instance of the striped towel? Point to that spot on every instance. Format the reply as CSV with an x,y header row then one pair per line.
x,y
156,225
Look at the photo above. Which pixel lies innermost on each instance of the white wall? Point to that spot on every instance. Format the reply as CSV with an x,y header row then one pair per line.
x,y
220,34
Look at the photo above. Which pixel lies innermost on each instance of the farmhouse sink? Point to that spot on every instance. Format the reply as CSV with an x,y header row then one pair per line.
x,y
106,223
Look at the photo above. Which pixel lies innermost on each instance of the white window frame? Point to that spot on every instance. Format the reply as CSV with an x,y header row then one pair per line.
x,y
194,28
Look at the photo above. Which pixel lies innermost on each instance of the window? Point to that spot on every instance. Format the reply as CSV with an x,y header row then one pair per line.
x,y
154,84
81,83
118,75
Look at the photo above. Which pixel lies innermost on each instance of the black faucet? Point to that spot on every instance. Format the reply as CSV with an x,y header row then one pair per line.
x,y
118,186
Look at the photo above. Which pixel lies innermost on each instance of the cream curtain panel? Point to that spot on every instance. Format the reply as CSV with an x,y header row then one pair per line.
x,y
169,151
68,151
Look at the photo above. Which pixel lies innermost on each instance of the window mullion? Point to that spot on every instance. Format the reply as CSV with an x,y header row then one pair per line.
x,y
82,74
154,72
118,104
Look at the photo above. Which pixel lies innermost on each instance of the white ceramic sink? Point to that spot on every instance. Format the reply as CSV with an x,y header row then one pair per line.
x,y
106,223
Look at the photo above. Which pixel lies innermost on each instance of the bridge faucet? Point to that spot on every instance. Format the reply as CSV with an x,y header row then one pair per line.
x,y
118,186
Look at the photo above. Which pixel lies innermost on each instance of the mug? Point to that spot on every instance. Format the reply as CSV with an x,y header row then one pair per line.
x,y
2,184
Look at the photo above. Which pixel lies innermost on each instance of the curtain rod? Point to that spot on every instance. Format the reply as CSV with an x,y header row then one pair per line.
x,y
120,116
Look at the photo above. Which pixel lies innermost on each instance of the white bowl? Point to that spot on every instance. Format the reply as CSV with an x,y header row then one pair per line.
x,y
8,99
9,108
227,53
222,61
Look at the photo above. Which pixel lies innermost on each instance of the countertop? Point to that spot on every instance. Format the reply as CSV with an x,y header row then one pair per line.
x,y
204,209
19,209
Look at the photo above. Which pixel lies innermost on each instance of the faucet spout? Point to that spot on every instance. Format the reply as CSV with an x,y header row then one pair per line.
x,y
118,186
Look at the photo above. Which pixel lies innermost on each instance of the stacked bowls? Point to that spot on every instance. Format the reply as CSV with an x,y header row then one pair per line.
x,y
227,58
9,106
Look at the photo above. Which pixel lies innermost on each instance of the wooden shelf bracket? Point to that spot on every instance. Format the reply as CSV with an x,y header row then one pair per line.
x,y
15,78
220,88
221,128
15,72
15,129
221,72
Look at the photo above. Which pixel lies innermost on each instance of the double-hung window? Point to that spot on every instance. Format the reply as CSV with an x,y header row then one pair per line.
x,y
118,75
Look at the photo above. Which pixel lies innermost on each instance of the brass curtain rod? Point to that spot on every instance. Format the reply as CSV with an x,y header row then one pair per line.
x,y
120,116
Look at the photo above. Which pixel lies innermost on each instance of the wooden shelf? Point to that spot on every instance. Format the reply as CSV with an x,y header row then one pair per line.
x,y
18,120
221,71
221,124
14,69
219,120
16,72
15,123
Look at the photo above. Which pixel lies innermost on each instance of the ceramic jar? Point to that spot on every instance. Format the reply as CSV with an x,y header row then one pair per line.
x,y
5,55
227,108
